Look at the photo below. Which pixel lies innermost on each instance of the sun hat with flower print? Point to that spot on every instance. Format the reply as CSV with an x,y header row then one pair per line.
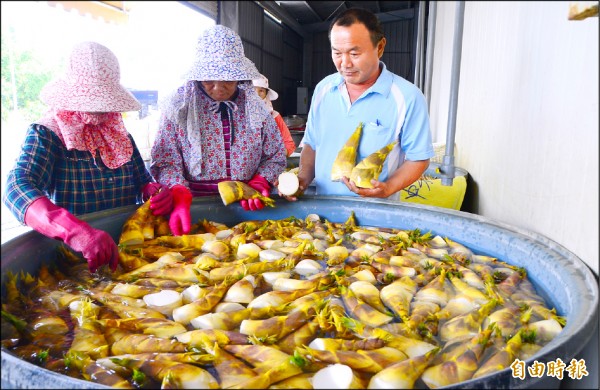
x,y
91,83
263,82
220,57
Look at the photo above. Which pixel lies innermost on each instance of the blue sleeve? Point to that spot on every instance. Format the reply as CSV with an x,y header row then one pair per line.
x,y
310,132
415,138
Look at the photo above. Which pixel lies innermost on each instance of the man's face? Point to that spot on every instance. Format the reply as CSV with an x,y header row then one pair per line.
x,y
354,55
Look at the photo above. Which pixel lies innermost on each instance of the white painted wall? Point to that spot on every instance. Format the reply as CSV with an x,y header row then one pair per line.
x,y
527,119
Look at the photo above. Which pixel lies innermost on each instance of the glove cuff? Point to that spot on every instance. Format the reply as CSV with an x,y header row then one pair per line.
x,y
53,221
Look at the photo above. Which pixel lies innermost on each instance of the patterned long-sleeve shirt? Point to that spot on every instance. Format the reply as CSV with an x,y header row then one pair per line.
x,y
255,149
72,179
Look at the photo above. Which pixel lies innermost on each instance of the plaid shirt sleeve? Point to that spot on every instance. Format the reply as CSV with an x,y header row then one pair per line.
x,y
31,173
71,179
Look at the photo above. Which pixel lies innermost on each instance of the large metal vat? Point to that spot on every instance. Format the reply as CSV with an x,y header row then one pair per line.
x,y
558,275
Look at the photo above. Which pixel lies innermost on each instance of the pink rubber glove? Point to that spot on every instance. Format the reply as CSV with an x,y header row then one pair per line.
x,y
96,246
180,221
261,185
161,199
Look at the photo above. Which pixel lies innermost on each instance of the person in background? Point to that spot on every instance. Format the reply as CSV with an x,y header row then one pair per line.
x,y
79,158
261,85
214,127
364,90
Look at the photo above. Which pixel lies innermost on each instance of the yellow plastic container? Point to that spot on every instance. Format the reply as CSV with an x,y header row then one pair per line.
x,y
428,189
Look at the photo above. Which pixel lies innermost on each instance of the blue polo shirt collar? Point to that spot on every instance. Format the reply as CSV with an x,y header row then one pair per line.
x,y
381,86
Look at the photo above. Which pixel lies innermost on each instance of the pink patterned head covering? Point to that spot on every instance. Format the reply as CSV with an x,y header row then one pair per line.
x,y
86,105
90,84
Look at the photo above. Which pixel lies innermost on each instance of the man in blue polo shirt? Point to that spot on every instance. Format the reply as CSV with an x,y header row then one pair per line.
x,y
363,90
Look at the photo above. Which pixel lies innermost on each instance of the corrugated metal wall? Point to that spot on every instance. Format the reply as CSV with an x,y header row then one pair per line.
x,y
278,51
275,50
399,53
293,50
322,64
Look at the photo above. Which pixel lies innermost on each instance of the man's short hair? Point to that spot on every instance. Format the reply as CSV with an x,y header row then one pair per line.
x,y
359,15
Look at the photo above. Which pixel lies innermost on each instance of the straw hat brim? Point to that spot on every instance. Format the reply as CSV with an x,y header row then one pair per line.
x,y
63,95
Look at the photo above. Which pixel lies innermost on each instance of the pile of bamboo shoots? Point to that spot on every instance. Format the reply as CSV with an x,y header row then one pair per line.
x,y
291,303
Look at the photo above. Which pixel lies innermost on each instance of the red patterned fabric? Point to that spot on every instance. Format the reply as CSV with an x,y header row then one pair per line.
x,y
83,131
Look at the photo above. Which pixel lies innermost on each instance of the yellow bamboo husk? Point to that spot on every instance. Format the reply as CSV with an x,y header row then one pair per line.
x,y
233,191
370,167
206,338
369,361
137,227
501,359
232,371
459,368
163,261
140,343
184,314
346,158
160,327
179,375
132,290
276,326
266,360
131,262
300,381
362,311
92,371
403,374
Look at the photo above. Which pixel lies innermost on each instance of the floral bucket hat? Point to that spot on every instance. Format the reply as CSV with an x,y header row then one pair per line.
x,y
263,82
91,83
220,57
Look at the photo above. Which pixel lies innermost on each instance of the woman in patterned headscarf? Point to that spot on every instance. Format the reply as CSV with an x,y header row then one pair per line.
x,y
79,158
214,128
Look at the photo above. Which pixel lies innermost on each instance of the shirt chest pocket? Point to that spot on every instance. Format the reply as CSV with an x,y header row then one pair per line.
x,y
374,137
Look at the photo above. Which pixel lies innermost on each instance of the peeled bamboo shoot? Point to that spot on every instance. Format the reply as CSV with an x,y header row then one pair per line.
x,y
288,183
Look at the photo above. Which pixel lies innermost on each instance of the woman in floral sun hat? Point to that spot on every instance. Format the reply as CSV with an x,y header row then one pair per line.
x,y
214,127
79,158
